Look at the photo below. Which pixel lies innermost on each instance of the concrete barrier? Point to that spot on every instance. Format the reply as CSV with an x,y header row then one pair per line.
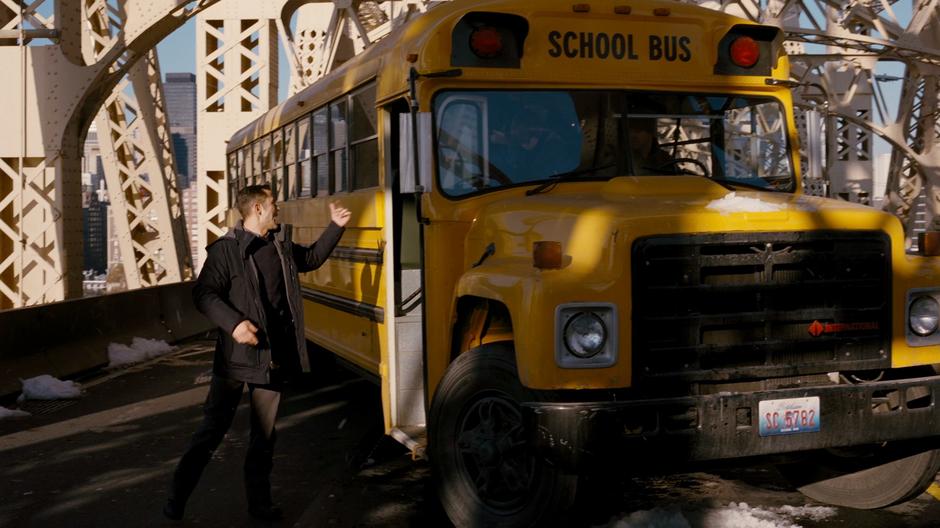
x,y
65,338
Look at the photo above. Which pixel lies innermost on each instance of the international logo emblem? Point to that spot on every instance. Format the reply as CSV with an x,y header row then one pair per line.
x,y
817,328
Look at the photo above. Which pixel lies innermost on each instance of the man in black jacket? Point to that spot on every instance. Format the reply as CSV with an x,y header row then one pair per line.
x,y
249,287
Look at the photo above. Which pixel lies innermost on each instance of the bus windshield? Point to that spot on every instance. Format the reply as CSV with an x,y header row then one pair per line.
x,y
494,139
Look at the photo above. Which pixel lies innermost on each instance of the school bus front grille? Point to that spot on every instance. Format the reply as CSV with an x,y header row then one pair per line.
x,y
756,305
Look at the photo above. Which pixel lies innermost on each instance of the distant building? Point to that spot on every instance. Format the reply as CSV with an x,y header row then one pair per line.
x,y
94,208
191,211
180,92
94,227
114,244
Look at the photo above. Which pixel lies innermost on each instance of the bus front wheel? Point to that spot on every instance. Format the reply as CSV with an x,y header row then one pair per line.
x,y
865,478
484,472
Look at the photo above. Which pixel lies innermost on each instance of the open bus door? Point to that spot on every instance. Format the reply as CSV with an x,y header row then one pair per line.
x,y
404,387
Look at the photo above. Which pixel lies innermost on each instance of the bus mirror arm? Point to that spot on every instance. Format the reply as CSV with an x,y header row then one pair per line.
x,y
456,72
416,150
790,83
414,75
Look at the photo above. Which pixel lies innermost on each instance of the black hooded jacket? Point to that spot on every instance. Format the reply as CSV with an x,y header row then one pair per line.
x,y
227,292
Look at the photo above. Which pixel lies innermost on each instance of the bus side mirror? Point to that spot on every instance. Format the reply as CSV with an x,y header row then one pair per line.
x,y
814,144
409,183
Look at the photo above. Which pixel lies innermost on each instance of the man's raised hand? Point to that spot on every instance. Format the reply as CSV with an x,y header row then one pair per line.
x,y
339,214
244,333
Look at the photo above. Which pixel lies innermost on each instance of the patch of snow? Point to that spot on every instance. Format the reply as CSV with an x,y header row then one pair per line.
x,y
205,377
12,413
734,515
740,515
655,518
141,349
732,203
813,513
46,387
154,347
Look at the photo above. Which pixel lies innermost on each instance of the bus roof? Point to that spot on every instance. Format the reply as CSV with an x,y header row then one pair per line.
x,y
648,44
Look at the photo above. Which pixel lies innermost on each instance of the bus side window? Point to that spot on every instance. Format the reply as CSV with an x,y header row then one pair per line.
x,y
244,159
338,132
266,159
277,163
363,139
290,161
255,175
461,150
232,176
303,155
321,150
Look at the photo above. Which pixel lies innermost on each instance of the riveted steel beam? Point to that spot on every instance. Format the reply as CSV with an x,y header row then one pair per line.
x,y
139,164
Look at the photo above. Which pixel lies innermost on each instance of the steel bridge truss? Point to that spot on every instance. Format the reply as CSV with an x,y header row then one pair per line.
x,y
849,59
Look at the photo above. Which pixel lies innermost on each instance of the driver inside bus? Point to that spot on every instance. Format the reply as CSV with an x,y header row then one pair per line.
x,y
648,159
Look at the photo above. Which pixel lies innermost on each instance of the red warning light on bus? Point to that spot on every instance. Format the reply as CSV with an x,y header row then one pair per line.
x,y
486,42
745,52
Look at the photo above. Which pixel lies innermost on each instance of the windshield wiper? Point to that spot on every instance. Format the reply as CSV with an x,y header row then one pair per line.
x,y
730,184
551,183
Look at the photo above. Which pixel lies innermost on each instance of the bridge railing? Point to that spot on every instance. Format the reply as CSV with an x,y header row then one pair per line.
x,y
65,338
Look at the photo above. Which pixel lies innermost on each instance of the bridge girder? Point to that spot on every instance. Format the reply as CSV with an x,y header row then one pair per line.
x,y
64,85
61,89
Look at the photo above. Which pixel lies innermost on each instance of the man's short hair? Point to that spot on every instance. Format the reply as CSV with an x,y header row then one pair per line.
x,y
248,196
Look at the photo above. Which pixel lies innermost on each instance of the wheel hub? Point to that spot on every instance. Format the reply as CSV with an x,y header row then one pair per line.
x,y
493,453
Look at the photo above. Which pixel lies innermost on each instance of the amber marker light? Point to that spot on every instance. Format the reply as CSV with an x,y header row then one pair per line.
x,y
622,10
661,11
929,243
546,254
412,58
581,8
745,52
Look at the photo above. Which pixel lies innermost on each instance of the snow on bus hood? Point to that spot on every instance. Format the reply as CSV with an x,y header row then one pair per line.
x,y
732,203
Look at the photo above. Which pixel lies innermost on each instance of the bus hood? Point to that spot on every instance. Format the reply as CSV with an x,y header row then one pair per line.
x,y
592,221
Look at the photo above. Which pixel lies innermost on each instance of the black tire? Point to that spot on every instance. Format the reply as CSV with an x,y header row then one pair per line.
x,y
866,478
484,473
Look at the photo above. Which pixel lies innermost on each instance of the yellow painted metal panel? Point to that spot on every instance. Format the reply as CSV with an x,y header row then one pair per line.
x,y
349,336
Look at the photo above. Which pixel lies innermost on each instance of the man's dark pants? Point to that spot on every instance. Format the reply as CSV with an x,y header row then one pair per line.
x,y
220,407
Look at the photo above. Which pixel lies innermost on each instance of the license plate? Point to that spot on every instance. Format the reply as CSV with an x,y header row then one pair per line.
x,y
789,416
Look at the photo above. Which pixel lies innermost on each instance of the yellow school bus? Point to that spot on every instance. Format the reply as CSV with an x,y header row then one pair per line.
x,y
579,243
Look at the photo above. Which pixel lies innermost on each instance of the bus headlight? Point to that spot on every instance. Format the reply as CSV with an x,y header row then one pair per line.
x,y
924,315
586,335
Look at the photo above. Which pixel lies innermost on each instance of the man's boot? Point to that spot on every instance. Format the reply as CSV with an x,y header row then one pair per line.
x,y
173,509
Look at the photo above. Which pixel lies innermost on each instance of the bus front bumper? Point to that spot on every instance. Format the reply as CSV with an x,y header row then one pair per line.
x,y
583,435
